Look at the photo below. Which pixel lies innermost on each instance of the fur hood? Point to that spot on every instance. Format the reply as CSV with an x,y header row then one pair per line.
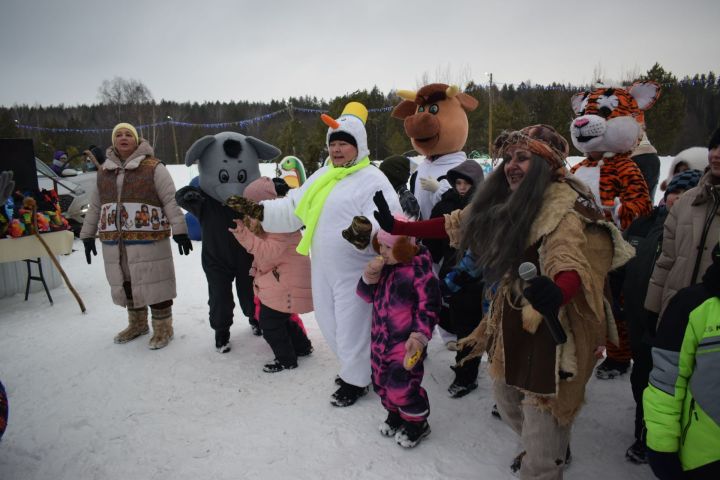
x,y
143,150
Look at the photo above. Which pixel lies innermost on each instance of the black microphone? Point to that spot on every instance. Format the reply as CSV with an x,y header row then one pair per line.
x,y
527,271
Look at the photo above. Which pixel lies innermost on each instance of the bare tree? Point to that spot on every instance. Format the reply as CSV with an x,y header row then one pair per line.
x,y
120,92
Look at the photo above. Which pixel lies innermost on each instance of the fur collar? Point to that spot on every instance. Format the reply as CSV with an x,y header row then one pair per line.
x,y
558,200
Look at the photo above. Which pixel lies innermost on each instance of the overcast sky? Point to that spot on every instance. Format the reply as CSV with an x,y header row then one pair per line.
x,y
60,51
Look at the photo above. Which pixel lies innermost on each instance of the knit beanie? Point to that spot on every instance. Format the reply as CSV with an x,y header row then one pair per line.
x,y
261,189
397,169
388,239
349,127
343,137
684,181
58,155
128,127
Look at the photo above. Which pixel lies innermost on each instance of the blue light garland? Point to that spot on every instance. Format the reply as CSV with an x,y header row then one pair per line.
x,y
238,123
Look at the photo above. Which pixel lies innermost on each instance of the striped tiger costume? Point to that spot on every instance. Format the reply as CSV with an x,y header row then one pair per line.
x,y
610,121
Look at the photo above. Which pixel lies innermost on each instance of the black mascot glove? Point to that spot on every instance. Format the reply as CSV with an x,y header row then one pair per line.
x,y
247,208
89,247
358,233
544,295
665,465
383,216
190,195
184,243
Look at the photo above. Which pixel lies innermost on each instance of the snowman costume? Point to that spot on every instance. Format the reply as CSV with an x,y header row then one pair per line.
x,y
343,317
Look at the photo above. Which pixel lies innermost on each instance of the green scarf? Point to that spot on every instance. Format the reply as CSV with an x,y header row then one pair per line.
x,y
313,200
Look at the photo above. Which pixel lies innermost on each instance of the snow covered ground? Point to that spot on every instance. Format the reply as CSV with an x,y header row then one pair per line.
x,y
82,407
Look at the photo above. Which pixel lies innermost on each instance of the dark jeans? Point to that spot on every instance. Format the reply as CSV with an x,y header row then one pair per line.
x,y
284,336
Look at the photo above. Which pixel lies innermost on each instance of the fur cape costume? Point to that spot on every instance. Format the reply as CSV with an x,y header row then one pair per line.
x,y
572,235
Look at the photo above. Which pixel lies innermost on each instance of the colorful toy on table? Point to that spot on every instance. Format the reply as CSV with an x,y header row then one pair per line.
x,y
16,228
292,171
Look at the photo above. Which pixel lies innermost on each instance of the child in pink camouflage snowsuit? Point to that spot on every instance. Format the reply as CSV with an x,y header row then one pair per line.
x,y
405,294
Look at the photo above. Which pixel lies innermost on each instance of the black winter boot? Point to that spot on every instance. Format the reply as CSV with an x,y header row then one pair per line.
x,y
412,433
347,394
276,366
222,341
392,423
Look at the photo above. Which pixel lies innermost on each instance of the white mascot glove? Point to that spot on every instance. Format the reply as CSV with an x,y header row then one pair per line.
x,y
429,184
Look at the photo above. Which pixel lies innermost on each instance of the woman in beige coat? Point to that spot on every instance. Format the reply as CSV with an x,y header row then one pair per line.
x,y
692,225
136,252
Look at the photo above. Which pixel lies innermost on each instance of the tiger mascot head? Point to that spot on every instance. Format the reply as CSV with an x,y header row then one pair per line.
x,y
611,120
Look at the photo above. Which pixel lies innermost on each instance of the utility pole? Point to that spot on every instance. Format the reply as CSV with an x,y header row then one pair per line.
x,y
490,109
172,126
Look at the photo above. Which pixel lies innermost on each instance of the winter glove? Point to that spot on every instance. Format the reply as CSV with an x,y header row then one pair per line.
x,y
184,243
383,216
544,295
7,185
414,347
665,465
373,269
429,184
188,195
89,247
358,233
246,207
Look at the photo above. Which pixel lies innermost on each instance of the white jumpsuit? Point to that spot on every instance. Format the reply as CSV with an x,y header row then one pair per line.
x,y
337,265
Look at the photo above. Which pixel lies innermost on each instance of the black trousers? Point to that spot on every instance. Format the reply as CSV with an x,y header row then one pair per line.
x,y
221,298
284,336
642,366
465,315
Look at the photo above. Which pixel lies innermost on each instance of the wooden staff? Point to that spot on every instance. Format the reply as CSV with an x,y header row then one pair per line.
x,y
32,205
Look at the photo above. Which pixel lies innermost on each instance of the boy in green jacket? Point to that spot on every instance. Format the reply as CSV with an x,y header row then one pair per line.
x,y
682,410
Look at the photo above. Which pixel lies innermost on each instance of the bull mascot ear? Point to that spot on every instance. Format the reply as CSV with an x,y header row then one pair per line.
x,y
467,102
198,148
407,107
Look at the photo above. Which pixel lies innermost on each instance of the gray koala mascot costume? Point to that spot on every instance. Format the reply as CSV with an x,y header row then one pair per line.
x,y
227,162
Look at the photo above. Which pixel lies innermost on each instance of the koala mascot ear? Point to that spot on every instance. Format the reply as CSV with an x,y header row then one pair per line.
x,y
197,149
265,151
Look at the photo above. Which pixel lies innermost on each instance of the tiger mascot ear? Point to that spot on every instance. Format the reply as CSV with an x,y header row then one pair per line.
x,y
645,93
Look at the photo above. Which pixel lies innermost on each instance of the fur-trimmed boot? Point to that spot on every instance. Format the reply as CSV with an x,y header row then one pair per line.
x,y
162,327
137,325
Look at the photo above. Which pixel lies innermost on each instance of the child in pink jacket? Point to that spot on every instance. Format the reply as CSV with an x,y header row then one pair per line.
x,y
405,294
281,282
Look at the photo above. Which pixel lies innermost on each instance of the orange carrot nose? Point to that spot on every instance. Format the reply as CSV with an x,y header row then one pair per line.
x,y
329,121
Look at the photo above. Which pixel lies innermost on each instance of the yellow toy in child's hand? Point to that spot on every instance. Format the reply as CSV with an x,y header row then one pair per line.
x,y
411,359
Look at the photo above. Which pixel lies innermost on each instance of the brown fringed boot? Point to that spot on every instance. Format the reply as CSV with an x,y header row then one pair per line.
x,y
162,327
137,325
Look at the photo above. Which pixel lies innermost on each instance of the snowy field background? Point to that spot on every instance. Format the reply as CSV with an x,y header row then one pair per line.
x,y
82,407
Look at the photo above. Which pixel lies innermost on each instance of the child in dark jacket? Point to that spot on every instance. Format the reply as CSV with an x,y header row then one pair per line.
x,y
406,300
460,314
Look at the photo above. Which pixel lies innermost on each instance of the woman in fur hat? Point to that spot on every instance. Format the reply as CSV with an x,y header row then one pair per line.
x,y
530,210
138,259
